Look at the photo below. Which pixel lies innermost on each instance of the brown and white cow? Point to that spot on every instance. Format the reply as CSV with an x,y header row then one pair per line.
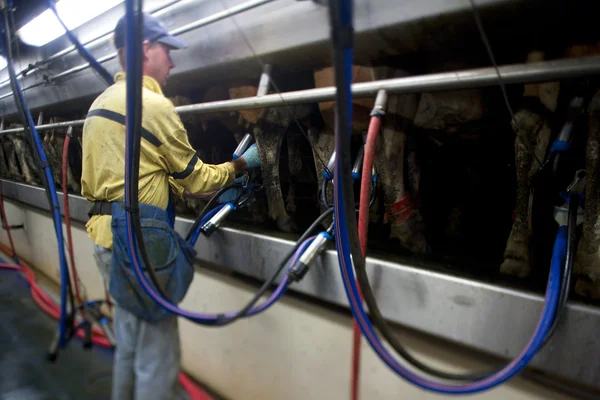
x,y
532,130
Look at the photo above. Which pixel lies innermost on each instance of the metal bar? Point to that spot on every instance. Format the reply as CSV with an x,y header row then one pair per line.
x,y
201,22
219,16
466,79
488,317
70,49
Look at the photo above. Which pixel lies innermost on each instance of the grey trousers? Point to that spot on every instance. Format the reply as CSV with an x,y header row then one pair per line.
x,y
147,357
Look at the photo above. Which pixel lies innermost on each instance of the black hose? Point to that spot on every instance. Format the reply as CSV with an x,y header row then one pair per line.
x,y
137,134
267,284
343,173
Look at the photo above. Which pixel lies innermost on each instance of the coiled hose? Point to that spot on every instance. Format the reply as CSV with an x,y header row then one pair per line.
x,y
349,247
49,186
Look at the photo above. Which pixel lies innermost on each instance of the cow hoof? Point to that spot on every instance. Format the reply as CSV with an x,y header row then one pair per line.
x,y
409,236
516,255
285,223
584,287
516,267
587,265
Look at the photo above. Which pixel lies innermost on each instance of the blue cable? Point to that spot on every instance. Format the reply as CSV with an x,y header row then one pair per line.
x,y
346,268
104,74
133,120
53,199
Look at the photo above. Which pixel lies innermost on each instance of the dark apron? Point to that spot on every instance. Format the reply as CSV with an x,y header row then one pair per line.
x,y
171,256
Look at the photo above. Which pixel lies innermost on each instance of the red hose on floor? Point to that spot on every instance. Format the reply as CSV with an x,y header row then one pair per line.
x,y
46,303
363,234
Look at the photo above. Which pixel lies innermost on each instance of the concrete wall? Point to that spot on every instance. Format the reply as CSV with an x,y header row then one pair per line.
x,y
295,350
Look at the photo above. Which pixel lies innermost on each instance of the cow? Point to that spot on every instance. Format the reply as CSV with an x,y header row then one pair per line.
x,y
533,131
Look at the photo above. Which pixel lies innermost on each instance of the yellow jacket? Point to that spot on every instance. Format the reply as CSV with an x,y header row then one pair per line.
x,y
167,160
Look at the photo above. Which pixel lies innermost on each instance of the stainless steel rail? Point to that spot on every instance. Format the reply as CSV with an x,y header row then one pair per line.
x,y
194,25
466,79
487,317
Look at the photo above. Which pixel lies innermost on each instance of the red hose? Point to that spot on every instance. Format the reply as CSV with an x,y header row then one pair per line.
x,y
363,234
46,303
65,188
5,225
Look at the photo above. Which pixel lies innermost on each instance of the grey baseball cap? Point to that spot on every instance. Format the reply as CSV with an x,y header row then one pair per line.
x,y
152,30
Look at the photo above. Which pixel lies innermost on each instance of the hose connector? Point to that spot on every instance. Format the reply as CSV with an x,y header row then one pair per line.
x,y
213,224
243,146
380,104
328,173
70,131
300,268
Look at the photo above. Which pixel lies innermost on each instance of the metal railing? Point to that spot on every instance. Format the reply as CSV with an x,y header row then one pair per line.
x,y
179,31
465,79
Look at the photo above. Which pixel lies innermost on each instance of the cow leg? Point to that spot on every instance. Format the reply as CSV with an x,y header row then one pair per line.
x,y
587,260
532,137
323,144
4,170
294,140
268,134
405,221
11,159
24,155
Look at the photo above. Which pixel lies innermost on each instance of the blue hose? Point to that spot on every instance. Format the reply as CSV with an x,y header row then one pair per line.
x,y
134,77
81,49
352,291
53,198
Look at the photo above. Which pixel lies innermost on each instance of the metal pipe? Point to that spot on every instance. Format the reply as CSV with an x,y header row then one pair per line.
x,y
466,79
186,28
219,16
70,49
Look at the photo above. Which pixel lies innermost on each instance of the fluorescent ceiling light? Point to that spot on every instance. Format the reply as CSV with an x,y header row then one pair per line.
x,y
45,27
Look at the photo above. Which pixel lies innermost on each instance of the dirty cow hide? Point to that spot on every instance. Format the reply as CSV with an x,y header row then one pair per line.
x,y
587,260
532,131
5,171
25,165
270,127
404,217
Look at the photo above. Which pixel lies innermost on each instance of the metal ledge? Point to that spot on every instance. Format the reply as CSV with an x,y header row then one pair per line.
x,y
487,317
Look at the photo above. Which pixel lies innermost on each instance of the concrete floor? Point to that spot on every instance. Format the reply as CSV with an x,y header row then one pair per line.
x,y
25,336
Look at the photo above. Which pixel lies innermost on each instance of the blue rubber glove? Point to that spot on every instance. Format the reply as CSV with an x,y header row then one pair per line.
x,y
232,193
251,157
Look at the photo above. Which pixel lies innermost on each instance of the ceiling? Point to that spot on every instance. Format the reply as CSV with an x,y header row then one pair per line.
x,y
26,10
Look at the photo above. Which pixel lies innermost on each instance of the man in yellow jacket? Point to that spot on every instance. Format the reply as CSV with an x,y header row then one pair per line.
x,y
148,354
